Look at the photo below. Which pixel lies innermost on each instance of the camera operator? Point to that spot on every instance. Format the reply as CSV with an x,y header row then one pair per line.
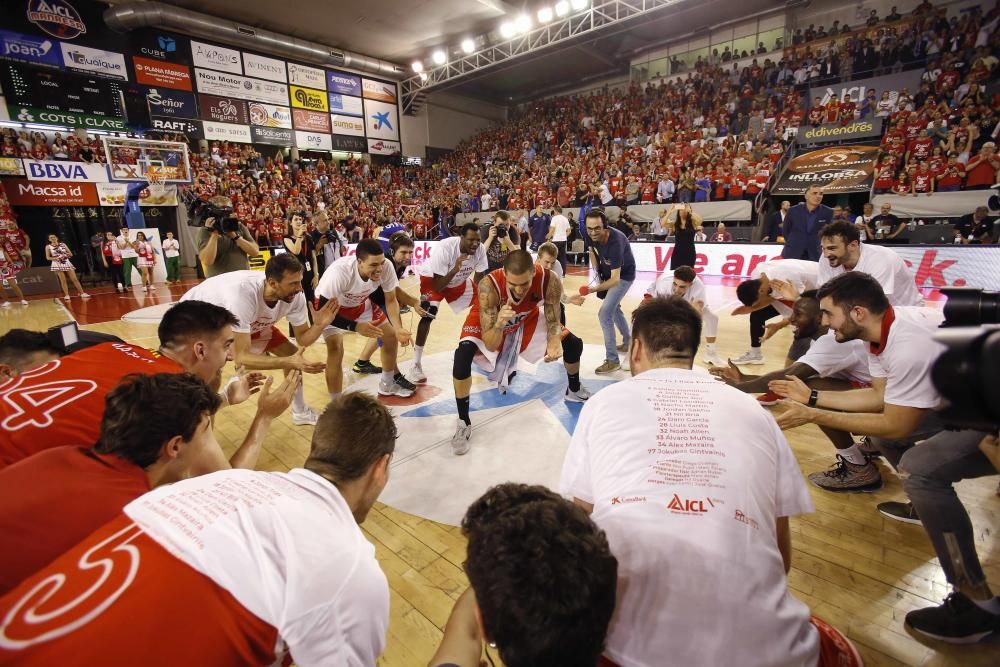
x,y
224,243
330,244
500,237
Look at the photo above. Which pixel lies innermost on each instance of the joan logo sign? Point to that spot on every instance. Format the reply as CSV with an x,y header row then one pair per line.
x,y
16,46
57,18
307,98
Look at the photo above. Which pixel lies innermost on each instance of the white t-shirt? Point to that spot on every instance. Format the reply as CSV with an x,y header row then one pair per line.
x,y
445,255
128,250
287,548
844,361
242,294
560,227
801,273
907,357
887,268
341,281
688,477
664,287
171,248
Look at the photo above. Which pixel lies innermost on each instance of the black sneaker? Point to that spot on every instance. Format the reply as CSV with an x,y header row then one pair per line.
x,y
403,382
847,476
958,620
366,367
899,511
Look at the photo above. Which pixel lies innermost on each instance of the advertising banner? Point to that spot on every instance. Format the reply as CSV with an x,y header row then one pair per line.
x,y
835,132
837,169
343,83
98,61
21,192
162,45
383,147
312,121
350,125
263,67
114,194
63,170
303,75
159,73
266,91
349,144
216,57
11,166
270,115
190,128
67,118
57,18
26,48
171,103
221,83
381,120
308,98
345,104
273,136
223,109
378,90
313,141
857,90
226,132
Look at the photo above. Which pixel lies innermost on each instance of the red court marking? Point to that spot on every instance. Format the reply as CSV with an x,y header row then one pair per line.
x,y
107,305
424,392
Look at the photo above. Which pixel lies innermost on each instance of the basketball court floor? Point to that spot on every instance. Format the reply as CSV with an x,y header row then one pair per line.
x,y
854,568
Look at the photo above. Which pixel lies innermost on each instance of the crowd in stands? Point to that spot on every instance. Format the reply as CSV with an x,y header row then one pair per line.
x,y
713,135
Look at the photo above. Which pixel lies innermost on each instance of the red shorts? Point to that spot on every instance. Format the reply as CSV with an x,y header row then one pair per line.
x,y
365,312
458,297
860,385
267,340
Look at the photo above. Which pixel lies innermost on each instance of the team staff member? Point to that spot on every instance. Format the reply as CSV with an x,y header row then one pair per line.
x,y
259,301
223,252
612,261
349,283
896,410
686,284
678,468
446,277
248,566
504,324
138,449
195,337
531,555
802,224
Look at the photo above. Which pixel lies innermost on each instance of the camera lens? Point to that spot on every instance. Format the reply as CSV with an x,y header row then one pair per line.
x,y
971,307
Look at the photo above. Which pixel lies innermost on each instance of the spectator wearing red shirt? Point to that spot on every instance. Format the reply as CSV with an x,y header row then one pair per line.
x,y
902,186
721,235
923,179
952,176
981,170
920,147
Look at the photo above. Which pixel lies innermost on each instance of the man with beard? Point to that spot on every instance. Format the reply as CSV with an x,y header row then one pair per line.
x,y
259,301
897,410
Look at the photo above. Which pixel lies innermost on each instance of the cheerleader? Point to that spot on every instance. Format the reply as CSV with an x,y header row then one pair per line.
x,y
146,260
59,254
111,256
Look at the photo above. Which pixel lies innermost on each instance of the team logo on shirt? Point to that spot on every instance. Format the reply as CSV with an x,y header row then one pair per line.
x,y
689,505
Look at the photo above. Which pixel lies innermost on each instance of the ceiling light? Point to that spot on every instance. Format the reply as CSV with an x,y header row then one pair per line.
x,y
544,14
439,57
562,8
417,66
523,23
578,4
468,46
423,76
506,30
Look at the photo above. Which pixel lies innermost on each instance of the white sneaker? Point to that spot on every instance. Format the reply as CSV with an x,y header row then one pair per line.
x,y
393,389
66,298
578,396
307,418
712,357
416,374
145,289
5,304
84,295
755,358
120,287
24,302
460,441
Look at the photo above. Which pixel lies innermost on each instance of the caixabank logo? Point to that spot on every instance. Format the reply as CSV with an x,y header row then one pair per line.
x,y
57,18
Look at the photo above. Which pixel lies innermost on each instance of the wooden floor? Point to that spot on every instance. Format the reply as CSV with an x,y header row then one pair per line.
x,y
855,569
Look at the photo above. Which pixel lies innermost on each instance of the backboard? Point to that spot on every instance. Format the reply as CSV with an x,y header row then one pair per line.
x,y
135,159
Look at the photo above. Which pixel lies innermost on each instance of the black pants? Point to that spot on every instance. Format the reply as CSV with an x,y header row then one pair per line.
x,y
117,275
561,246
757,320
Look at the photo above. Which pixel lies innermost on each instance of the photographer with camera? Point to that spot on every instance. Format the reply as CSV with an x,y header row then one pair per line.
x,y
224,243
500,238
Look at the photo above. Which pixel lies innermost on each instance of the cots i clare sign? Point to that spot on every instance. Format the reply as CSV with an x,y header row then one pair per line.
x,y
67,118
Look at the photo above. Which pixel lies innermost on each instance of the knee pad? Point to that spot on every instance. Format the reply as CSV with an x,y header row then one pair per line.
x,y
572,349
462,367
432,310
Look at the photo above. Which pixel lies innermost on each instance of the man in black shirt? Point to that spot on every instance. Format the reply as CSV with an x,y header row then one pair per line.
x,y
976,228
887,225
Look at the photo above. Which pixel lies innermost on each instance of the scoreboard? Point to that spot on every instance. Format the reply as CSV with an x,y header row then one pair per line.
x,y
55,90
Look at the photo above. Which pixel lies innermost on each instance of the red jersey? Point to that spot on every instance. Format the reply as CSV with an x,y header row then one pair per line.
x,y
832,112
61,403
83,490
525,311
923,181
885,176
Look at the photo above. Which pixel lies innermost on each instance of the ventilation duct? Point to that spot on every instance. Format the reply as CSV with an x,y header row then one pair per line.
x,y
122,18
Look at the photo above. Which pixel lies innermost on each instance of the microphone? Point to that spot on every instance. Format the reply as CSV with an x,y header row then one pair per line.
x,y
584,290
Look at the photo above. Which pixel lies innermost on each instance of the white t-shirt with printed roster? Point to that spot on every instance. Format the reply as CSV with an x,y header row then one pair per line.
x,y
444,256
886,267
341,281
688,477
242,294
907,358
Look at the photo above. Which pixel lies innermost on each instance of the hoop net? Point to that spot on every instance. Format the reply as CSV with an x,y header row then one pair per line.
x,y
132,159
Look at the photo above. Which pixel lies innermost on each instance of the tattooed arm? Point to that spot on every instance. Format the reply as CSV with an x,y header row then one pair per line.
x,y
553,328
492,316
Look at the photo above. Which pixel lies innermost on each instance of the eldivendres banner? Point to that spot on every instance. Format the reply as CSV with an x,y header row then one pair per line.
x,y
837,169
828,133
